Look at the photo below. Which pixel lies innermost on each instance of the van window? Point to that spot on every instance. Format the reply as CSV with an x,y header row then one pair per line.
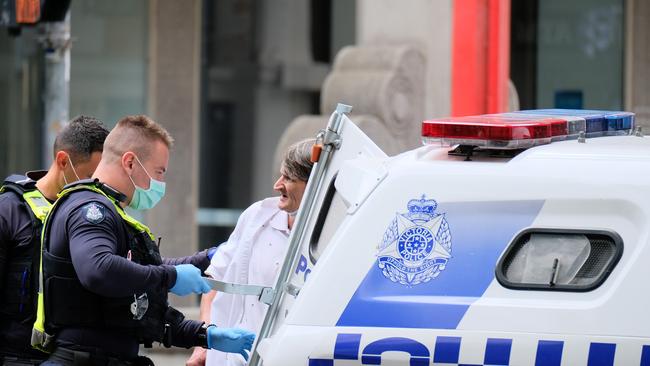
x,y
329,218
548,259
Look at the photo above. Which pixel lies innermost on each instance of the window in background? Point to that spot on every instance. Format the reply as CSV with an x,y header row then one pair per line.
x,y
568,54
580,54
109,58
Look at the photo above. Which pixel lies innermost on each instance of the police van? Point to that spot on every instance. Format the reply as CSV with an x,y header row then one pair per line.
x,y
507,239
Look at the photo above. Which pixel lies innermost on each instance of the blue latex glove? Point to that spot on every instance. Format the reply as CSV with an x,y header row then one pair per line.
x,y
233,340
189,280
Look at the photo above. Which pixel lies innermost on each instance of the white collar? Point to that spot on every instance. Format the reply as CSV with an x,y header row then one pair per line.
x,y
280,221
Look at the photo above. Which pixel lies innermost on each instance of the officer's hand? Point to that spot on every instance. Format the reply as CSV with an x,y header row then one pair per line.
x,y
233,340
189,280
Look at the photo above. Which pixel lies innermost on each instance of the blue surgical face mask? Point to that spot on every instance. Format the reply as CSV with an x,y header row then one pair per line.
x,y
145,199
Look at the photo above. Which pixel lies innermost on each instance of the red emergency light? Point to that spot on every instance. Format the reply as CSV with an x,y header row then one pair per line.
x,y
494,131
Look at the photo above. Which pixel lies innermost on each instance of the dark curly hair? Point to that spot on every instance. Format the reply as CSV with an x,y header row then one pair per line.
x,y
81,137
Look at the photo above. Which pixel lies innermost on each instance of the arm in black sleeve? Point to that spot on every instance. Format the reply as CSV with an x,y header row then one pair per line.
x,y
100,270
186,334
15,225
4,257
200,260
4,240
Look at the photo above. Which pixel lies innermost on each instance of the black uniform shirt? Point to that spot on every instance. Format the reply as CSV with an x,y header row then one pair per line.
x,y
93,244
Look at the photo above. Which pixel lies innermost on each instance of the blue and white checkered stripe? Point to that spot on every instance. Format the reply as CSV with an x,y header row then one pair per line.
x,y
447,351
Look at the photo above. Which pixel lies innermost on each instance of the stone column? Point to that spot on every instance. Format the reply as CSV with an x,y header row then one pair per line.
x,y
425,24
174,94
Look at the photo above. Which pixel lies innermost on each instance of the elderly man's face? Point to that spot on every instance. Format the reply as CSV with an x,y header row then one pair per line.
x,y
291,191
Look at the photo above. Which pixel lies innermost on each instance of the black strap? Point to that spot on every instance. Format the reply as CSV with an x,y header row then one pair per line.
x,y
173,318
21,182
110,191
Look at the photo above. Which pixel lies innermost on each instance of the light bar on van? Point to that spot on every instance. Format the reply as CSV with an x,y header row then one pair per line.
x,y
524,129
493,131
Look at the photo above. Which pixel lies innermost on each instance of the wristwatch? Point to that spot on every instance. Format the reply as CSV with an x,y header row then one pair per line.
x,y
203,335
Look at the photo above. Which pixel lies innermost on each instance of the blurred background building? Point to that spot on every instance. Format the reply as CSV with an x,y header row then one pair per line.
x,y
234,79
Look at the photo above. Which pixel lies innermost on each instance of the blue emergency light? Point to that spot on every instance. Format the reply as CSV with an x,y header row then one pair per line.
x,y
523,129
598,122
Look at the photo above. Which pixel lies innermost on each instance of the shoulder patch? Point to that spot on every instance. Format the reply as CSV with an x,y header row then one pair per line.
x,y
94,212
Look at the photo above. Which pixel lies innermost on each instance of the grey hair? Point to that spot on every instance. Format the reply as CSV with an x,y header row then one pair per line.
x,y
296,162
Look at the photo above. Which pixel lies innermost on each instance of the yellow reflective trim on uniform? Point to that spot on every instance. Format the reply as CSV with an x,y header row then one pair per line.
x,y
39,205
40,339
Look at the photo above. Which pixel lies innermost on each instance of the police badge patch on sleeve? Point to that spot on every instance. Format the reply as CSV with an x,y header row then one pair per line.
x,y
417,244
93,212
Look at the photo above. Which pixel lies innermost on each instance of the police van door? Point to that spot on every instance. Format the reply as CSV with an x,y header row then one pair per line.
x,y
322,210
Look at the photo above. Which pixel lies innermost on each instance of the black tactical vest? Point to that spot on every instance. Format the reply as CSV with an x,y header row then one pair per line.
x,y
145,316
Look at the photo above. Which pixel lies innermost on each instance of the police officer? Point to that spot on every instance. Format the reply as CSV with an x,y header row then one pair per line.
x,y
105,285
24,202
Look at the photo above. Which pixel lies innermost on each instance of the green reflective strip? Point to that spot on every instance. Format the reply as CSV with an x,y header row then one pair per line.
x,y
40,340
39,205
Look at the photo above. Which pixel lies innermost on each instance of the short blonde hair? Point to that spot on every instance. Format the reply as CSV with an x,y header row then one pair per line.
x,y
135,133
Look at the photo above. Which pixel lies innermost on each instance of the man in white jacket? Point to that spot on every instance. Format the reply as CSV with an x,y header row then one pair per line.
x,y
254,254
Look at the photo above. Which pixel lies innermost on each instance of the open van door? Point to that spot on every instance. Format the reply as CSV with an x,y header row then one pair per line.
x,y
321,211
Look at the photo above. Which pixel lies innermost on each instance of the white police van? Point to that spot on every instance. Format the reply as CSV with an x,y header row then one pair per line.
x,y
511,239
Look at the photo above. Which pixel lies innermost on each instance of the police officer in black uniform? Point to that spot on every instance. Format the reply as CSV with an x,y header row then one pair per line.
x,y
104,283
23,203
